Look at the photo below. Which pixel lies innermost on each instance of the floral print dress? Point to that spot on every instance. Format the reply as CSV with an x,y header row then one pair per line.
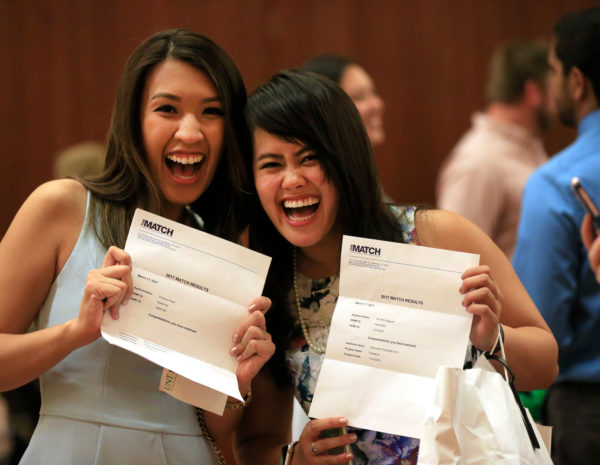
x,y
317,301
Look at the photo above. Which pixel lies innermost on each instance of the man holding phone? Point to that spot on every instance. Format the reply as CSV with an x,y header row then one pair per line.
x,y
550,257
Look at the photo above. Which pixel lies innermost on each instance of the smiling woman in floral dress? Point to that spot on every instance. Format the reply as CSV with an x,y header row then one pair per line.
x,y
315,181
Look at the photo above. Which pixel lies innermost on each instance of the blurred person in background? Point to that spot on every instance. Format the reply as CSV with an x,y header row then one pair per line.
x,y
359,85
484,175
550,257
79,160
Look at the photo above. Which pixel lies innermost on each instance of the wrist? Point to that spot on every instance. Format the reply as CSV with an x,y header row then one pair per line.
x,y
499,342
233,403
73,335
287,453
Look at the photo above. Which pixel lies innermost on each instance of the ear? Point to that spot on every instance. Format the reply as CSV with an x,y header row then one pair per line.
x,y
533,93
577,84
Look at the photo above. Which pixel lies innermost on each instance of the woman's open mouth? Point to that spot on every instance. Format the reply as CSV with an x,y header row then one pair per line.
x,y
184,167
300,210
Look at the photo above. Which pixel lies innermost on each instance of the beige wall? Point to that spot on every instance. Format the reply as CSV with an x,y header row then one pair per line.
x,y
61,59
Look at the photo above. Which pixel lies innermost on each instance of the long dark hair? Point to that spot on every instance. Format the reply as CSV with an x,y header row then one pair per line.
x,y
300,106
127,181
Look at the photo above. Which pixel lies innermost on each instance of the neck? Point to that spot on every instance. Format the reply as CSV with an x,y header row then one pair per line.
x,y
173,212
585,109
518,114
321,260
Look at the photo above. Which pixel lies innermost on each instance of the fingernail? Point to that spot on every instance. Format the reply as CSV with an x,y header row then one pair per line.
x,y
233,350
348,457
251,307
343,421
353,437
117,315
125,301
235,338
239,357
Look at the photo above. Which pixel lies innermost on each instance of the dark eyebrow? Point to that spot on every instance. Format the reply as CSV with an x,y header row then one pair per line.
x,y
268,155
277,155
302,151
165,95
169,96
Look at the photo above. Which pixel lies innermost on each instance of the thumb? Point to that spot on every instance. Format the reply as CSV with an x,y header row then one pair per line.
x,y
588,233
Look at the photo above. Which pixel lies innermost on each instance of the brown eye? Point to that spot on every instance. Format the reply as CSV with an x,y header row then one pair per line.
x,y
214,111
166,109
268,165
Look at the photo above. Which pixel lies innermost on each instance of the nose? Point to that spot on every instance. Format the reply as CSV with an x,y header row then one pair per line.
x,y
377,102
189,130
293,178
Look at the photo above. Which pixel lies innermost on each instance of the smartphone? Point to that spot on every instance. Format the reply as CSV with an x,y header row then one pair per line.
x,y
330,433
586,201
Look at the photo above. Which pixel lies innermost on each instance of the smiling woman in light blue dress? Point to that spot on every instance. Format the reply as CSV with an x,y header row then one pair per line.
x,y
175,145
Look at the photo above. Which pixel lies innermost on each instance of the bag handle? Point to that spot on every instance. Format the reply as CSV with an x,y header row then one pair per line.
x,y
511,382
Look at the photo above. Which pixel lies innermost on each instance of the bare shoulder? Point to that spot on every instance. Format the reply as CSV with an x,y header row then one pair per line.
x,y
446,230
38,242
50,220
59,197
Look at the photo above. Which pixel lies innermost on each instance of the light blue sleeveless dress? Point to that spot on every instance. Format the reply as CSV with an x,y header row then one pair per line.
x,y
101,404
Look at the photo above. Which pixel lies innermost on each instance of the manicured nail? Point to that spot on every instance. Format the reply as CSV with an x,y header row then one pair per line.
x,y
343,421
348,457
125,301
233,350
251,308
235,338
352,437
239,357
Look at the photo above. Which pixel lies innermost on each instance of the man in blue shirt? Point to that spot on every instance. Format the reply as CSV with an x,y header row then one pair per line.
x,y
550,258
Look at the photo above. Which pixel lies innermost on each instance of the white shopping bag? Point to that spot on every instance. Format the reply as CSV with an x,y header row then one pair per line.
x,y
475,420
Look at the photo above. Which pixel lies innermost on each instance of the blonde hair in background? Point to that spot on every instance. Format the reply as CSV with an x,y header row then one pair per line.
x,y
80,160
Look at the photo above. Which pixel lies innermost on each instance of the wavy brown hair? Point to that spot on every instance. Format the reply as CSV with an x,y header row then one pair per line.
x,y
127,181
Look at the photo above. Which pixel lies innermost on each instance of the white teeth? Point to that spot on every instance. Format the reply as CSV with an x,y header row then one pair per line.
x,y
300,203
187,160
298,219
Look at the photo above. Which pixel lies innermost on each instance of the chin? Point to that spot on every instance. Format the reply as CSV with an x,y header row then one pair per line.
x,y
183,199
376,138
301,241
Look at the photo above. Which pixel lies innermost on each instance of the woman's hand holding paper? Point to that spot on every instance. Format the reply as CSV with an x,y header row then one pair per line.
x,y
106,289
253,344
484,300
